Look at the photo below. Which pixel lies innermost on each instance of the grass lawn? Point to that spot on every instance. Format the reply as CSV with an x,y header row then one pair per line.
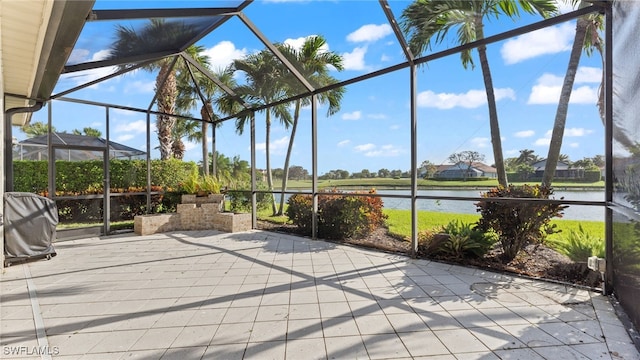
x,y
399,223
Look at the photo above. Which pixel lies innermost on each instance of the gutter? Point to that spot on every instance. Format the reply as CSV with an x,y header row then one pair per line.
x,y
8,140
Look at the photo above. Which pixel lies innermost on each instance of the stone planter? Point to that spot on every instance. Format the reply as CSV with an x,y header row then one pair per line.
x,y
230,222
195,213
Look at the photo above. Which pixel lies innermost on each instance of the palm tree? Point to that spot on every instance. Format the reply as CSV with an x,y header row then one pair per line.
x,y
130,42
87,131
36,128
265,84
184,128
312,62
527,156
189,98
588,39
425,19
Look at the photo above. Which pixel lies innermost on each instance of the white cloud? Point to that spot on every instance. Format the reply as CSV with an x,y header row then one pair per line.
x,y
344,143
364,147
377,116
78,56
587,74
223,53
394,127
480,142
86,76
548,87
568,132
297,43
277,147
125,137
139,126
471,99
564,6
524,133
355,59
549,40
385,58
511,152
574,145
577,132
354,115
542,141
189,145
369,33
140,87
371,150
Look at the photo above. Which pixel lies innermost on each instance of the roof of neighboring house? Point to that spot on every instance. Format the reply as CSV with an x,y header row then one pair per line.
x,y
540,165
463,166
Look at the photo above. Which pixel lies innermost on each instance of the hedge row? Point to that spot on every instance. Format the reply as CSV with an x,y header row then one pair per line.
x,y
589,177
86,176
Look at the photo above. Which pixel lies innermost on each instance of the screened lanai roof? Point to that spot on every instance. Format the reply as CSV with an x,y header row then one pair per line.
x,y
36,148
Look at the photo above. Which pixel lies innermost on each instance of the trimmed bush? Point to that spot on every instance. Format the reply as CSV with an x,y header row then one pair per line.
x,y
518,223
82,177
340,216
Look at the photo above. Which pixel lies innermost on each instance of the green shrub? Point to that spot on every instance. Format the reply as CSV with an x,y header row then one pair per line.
x,y
592,175
471,241
518,223
456,239
340,216
579,245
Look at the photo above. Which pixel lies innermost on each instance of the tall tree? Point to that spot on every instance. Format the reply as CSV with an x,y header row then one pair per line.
x,y
312,62
36,128
586,39
88,131
425,19
129,42
265,84
189,98
467,158
527,157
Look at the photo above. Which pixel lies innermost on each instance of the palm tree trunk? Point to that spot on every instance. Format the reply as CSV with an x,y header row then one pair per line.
x,y
205,149
285,177
166,104
269,176
563,104
496,140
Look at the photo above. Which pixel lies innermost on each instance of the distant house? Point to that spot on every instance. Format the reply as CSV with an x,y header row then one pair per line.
x,y
461,170
563,170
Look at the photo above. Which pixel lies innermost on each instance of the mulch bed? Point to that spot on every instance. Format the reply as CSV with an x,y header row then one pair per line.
x,y
537,261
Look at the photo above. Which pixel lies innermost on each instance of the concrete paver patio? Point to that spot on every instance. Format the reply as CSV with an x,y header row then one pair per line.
x,y
261,295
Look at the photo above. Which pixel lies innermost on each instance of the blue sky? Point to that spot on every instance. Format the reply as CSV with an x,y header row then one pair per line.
x,y
371,131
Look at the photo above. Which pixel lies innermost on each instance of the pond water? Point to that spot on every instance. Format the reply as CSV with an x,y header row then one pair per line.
x,y
573,212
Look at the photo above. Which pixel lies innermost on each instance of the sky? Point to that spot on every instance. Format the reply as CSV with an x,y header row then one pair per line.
x,y
372,129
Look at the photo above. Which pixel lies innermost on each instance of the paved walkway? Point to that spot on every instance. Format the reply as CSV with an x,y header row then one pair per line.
x,y
261,295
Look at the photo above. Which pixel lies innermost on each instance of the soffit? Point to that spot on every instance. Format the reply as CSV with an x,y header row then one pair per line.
x,y
36,39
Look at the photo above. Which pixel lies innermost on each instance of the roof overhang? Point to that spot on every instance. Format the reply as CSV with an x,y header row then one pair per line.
x,y
37,37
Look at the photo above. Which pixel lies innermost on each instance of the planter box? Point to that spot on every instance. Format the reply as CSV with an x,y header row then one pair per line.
x,y
230,222
155,223
195,213
199,200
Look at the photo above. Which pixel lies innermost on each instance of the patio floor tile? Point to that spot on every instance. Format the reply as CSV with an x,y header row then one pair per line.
x,y
257,295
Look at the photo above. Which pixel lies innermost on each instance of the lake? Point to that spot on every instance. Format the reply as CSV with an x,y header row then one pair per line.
x,y
573,212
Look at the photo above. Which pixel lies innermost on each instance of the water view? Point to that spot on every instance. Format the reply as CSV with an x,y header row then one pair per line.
x,y
574,212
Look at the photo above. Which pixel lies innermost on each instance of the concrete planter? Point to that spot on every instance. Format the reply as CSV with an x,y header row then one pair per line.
x,y
195,213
